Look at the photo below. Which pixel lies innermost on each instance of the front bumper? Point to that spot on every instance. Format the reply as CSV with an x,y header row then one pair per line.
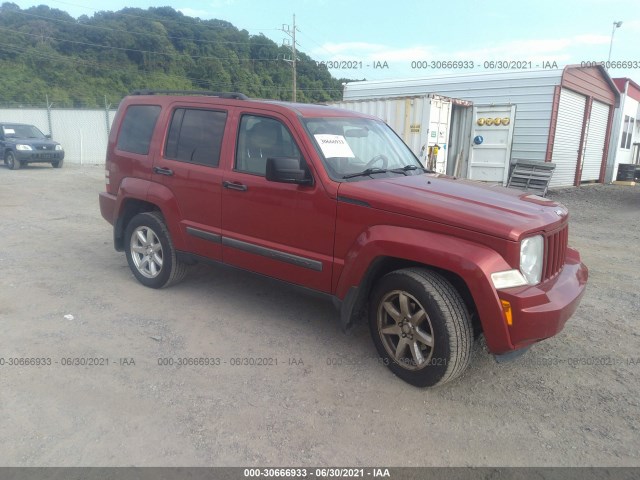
x,y
541,311
34,156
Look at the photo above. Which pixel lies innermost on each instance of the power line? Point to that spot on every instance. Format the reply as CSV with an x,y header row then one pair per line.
x,y
155,52
313,41
98,27
154,73
196,81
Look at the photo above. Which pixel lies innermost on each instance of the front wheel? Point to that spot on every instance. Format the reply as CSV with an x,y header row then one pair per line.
x,y
421,327
57,164
12,162
150,252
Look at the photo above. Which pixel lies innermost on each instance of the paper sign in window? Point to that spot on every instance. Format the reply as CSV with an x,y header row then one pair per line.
x,y
9,131
334,146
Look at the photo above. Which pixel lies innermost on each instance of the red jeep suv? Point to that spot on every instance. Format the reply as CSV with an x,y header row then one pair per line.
x,y
334,201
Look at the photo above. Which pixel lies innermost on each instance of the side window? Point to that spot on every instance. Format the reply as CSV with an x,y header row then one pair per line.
x,y
195,136
137,128
260,138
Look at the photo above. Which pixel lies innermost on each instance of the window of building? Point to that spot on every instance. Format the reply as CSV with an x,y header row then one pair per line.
x,y
137,128
627,132
195,136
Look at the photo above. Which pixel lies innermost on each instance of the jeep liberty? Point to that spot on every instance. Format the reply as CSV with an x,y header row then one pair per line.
x,y
334,201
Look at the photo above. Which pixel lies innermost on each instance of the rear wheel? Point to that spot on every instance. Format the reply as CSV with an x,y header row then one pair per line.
x,y
150,252
12,162
421,327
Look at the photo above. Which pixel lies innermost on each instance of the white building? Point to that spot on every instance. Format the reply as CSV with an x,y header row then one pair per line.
x,y
556,115
625,140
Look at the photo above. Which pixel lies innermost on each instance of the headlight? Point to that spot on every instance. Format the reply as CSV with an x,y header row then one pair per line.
x,y
58,147
23,147
531,261
531,258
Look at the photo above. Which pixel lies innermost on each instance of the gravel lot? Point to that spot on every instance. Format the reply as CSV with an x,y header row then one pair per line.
x,y
573,400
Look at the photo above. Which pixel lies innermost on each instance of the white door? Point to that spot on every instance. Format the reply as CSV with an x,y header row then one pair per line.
x,y
489,160
438,134
567,139
596,136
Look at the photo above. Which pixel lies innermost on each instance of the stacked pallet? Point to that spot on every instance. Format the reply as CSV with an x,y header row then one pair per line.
x,y
531,176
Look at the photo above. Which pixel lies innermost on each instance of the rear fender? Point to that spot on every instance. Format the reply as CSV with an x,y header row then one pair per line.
x,y
151,193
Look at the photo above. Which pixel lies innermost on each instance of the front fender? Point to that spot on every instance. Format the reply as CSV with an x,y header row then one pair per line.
x,y
472,262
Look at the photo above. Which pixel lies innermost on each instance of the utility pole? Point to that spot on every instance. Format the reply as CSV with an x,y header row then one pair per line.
x,y
292,33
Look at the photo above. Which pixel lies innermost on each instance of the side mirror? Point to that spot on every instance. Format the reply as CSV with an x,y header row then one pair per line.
x,y
48,135
286,170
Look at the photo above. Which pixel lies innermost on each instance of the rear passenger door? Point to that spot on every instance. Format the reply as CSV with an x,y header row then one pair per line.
x,y
189,167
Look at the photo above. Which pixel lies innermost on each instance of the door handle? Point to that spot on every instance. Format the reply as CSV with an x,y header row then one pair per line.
x,y
234,186
163,171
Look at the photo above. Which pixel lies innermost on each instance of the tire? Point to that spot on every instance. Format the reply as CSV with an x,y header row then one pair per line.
x,y
57,164
11,161
421,309
147,234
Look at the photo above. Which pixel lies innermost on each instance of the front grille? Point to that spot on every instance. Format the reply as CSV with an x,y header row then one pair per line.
x,y
555,250
45,147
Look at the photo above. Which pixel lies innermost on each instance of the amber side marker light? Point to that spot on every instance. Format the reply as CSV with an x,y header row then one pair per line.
x,y
508,314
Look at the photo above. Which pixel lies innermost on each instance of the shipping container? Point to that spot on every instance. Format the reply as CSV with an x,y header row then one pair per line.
x,y
423,122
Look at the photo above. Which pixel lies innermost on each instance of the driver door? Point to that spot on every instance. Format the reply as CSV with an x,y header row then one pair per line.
x,y
282,230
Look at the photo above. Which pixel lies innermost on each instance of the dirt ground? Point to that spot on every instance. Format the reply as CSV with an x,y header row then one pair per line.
x,y
573,400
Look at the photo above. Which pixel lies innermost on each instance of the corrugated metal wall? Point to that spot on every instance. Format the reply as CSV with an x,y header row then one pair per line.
x,y
567,140
82,133
532,91
596,137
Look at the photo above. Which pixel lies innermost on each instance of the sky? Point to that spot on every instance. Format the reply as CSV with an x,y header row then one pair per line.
x,y
387,39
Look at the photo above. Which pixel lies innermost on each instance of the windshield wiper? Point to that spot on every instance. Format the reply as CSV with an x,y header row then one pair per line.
x,y
366,172
404,169
408,168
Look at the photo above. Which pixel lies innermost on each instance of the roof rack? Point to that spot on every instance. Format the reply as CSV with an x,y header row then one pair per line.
x,y
233,95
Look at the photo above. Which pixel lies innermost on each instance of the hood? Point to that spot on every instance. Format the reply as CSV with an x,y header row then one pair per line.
x,y
37,143
484,208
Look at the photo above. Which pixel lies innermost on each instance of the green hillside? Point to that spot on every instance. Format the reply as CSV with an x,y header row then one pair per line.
x,y
77,62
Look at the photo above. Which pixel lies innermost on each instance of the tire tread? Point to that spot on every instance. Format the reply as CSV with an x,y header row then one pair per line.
x,y
446,302
455,315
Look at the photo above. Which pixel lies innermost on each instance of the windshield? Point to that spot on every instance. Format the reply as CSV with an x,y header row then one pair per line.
x,y
22,131
355,149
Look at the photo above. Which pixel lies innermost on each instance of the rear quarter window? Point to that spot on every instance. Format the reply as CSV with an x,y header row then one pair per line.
x,y
137,128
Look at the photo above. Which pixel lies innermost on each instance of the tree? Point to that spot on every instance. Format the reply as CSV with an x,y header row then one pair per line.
x,y
46,51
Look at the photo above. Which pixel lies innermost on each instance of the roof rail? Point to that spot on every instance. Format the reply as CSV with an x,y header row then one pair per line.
x,y
233,95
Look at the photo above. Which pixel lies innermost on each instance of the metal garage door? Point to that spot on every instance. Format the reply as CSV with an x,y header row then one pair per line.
x,y
596,135
567,138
